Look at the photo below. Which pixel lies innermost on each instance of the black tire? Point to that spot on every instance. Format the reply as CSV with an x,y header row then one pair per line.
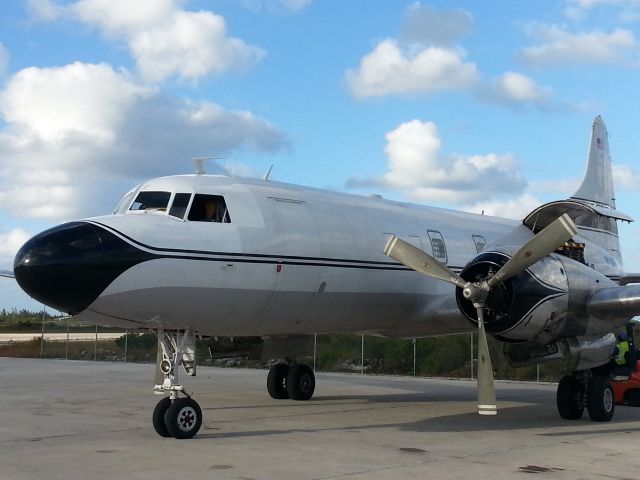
x,y
301,382
183,418
158,417
600,399
633,398
277,381
569,398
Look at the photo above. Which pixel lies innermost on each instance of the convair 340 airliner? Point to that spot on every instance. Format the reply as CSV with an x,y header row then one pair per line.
x,y
218,256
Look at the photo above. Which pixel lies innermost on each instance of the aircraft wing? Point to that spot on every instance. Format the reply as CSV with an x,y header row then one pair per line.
x,y
615,302
6,273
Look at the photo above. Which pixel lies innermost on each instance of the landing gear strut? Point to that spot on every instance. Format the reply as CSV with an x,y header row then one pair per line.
x,y
585,389
175,416
291,380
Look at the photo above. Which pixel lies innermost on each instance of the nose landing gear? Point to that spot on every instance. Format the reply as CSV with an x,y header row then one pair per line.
x,y
174,416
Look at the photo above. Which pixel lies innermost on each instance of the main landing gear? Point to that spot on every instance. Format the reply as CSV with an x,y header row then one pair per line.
x,y
585,389
291,380
175,416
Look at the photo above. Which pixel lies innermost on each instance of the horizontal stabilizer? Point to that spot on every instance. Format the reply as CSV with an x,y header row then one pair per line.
x,y
6,273
628,278
615,302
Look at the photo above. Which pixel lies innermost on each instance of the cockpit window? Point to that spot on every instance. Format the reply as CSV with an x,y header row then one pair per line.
x,y
209,208
122,204
151,201
180,204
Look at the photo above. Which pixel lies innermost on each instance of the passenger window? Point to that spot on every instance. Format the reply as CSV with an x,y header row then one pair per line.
x,y
179,205
480,242
209,208
437,246
151,201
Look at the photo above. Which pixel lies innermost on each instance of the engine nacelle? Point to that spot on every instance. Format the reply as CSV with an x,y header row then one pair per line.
x,y
543,304
578,353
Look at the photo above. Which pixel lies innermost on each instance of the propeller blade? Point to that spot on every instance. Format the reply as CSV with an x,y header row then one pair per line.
x,y
538,247
486,387
417,260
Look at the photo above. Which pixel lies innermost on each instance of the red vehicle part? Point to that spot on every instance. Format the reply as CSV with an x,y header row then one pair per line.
x,y
627,392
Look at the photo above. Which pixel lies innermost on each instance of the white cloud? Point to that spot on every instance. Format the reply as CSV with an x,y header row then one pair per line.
x,y
627,10
45,10
164,39
4,60
295,5
389,70
276,6
10,243
557,46
515,89
426,25
78,136
417,167
563,187
80,99
191,46
517,207
626,177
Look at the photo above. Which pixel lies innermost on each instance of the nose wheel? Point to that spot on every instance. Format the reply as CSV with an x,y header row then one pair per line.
x,y
174,416
180,418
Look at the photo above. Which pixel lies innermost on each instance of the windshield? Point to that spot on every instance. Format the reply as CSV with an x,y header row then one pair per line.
x,y
122,204
157,201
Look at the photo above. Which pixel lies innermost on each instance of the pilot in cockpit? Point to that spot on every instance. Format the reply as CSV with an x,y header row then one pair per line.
x,y
212,212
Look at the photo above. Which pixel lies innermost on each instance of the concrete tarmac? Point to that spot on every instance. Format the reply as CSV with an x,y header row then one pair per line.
x,y
73,420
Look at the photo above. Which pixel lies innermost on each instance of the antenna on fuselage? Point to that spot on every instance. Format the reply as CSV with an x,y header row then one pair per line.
x,y
199,162
268,174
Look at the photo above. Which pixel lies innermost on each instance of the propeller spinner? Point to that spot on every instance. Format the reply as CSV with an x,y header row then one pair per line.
x,y
538,247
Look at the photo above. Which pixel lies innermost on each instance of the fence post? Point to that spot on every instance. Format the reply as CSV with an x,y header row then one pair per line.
x,y
126,342
66,349
95,346
42,335
362,357
315,350
414,357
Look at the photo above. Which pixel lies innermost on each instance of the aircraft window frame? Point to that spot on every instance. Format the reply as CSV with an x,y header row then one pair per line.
x,y
185,208
438,246
123,204
479,242
163,198
197,212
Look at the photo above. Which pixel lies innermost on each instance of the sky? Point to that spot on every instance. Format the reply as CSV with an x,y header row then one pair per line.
x,y
471,105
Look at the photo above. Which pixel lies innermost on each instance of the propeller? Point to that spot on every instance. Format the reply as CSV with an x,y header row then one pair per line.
x,y
538,247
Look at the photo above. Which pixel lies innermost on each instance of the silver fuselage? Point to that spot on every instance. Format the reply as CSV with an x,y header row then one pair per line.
x,y
292,260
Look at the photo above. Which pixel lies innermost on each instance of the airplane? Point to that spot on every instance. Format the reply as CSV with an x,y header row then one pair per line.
x,y
218,256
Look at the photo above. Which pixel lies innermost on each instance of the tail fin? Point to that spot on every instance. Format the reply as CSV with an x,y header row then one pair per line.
x,y
597,185
596,191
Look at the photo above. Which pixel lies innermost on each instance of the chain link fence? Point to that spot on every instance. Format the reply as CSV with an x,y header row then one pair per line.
x,y
451,356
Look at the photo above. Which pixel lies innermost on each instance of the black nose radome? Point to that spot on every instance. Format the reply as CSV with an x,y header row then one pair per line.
x,y
68,266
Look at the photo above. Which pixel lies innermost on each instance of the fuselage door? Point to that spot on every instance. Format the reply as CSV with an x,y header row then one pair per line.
x,y
297,251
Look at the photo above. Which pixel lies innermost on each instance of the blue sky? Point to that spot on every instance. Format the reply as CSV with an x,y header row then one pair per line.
x,y
471,105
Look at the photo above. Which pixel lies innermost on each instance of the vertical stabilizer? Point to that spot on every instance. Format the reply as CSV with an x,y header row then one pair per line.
x,y
597,185
596,191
